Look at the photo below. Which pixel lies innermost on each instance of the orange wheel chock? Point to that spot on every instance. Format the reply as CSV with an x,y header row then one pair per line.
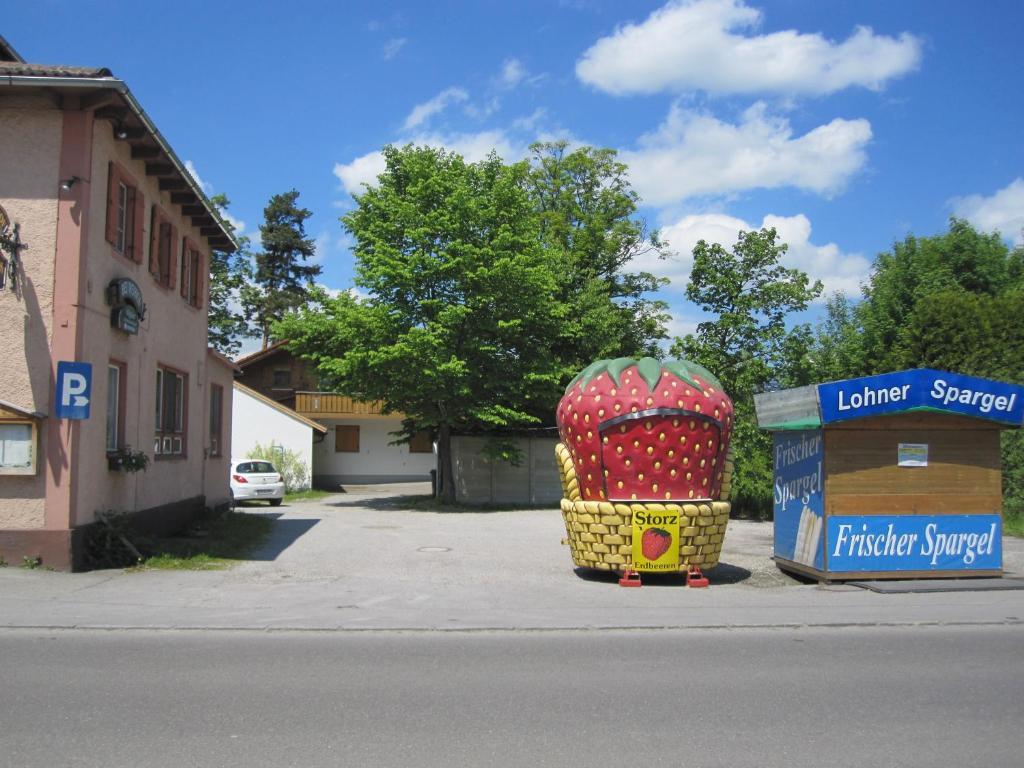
x,y
694,577
630,578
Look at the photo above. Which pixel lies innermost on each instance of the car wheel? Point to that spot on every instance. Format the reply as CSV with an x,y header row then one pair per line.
x,y
276,502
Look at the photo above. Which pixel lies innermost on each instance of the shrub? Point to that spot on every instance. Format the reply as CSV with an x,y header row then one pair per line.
x,y
293,469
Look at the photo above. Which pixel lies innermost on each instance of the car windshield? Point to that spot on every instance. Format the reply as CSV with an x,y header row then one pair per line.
x,y
258,467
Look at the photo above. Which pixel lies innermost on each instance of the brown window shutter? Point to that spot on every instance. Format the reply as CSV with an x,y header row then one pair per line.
x,y
111,209
140,215
346,438
172,258
200,282
421,443
154,242
182,274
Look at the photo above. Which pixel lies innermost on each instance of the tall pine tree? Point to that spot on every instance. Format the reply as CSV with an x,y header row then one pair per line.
x,y
282,277
228,274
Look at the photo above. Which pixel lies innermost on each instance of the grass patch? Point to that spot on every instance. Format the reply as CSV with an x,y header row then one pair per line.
x,y
210,545
310,494
1013,525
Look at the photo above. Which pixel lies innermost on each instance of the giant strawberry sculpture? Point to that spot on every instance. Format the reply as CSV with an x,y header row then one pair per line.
x,y
644,436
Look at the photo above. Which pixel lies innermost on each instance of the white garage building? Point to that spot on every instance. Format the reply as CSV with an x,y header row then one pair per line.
x,y
259,420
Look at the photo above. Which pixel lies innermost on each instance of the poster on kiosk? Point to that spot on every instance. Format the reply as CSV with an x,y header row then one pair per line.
x,y
799,500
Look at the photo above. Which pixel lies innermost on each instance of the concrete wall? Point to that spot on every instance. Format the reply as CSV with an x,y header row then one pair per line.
x,y
479,480
30,142
256,422
376,462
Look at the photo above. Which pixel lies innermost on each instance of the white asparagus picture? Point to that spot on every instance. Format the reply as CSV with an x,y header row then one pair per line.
x,y
807,535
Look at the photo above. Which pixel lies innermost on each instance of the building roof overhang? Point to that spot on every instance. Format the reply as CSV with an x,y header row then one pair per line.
x,y
11,410
110,100
261,354
280,408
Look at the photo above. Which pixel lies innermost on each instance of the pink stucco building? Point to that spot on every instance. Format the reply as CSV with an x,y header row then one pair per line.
x,y
112,270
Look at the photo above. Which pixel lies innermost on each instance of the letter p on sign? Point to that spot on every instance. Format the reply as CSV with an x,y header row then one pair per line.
x,y
74,390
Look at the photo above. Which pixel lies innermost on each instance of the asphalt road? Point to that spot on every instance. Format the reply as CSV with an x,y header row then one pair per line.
x,y
876,696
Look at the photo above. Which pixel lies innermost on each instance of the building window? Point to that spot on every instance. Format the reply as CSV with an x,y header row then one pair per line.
x,y
171,412
17,448
124,213
115,406
162,237
346,438
283,378
421,442
216,418
191,273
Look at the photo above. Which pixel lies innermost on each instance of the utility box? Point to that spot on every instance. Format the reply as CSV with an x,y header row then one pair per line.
x,y
890,476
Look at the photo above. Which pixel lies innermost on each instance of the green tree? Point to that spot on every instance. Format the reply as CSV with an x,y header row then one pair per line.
x,y
588,220
960,259
746,344
460,301
282,279
953,302
228,273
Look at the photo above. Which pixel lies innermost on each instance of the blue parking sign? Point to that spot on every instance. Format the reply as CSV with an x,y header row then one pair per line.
x,y
74,390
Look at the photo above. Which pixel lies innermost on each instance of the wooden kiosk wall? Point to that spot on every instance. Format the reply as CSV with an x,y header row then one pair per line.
x,y
962,477
862,477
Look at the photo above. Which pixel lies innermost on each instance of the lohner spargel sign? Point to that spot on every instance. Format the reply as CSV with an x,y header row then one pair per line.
x,y
918,390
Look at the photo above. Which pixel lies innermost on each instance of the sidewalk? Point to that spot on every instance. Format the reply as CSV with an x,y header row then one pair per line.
x,y
361,561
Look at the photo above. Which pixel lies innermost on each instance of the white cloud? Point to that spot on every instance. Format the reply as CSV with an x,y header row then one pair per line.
x,y
483,111
693,154
191,168
422,112
362,170
711,45
531,121
1002,211
207,188
393,46
472,146
238,224
512,73
681,324
838,271
321,246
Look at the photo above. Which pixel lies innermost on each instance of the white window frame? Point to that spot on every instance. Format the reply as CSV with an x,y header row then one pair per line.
x,y
113,398
170,440
30,469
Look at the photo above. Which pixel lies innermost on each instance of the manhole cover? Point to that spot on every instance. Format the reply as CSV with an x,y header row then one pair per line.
x,y
434,549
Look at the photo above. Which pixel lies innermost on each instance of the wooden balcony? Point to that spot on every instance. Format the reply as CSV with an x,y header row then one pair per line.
x,y
327,405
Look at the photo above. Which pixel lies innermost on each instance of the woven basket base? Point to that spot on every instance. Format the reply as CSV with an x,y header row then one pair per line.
x,y
600,533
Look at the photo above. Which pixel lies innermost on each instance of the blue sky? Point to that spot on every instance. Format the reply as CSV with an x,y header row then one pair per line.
x,y
847,125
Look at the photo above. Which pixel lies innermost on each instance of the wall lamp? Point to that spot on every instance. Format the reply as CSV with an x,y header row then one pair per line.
x,y
67,185
120,132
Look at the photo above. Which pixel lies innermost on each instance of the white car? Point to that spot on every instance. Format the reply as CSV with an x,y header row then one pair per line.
x,y
253,480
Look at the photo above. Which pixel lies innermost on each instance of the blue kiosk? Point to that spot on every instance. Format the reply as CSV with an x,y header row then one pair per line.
x,y
891,476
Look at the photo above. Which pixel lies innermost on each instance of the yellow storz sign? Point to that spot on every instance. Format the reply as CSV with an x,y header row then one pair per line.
x,y
655,541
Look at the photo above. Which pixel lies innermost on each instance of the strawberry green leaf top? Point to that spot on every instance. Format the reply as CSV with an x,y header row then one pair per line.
x,y
649,369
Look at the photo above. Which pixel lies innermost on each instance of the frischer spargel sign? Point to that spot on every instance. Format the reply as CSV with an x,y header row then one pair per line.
x,y
915,543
